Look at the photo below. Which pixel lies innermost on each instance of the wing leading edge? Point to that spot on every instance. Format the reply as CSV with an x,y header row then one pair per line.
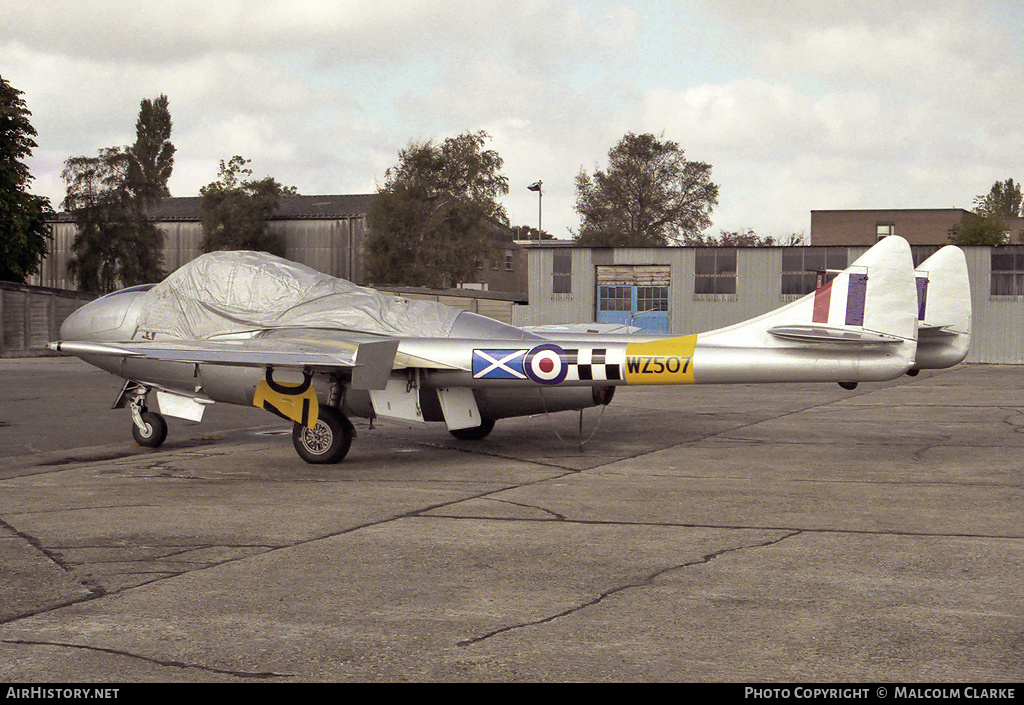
x,y
371,361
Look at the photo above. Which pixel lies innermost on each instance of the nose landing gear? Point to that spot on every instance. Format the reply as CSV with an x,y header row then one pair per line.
x,y
148,427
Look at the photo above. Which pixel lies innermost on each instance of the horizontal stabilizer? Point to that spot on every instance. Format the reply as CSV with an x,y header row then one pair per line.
x,y
929,331
826,334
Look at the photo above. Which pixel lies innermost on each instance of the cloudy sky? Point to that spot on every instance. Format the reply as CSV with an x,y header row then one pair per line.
x,y
798,106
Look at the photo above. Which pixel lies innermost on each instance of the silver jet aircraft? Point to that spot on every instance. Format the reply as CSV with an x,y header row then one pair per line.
x,y
250,328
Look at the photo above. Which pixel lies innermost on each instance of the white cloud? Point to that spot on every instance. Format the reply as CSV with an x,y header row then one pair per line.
x,y
857,105
796,105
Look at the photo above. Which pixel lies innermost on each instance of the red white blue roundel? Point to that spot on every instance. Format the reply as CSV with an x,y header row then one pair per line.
x,y
547,364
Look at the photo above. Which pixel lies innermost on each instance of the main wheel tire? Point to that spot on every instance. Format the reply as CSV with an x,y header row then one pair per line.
x,y
328,441
155,431
476,433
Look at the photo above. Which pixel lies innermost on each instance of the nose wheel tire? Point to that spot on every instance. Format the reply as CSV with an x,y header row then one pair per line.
x,y
153,431
328,441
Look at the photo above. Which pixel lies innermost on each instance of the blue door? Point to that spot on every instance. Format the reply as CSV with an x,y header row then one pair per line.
x,y
645,307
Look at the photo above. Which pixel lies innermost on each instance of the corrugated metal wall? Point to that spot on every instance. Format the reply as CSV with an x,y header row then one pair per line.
x,y
54,270
998,321
332,246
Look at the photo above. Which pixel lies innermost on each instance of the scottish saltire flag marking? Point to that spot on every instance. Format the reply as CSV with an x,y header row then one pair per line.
x,y
498,364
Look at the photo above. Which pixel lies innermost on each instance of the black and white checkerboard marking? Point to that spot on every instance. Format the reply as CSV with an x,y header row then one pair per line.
x,y
598,364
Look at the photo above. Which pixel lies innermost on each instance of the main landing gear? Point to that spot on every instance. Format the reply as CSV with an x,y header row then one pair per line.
x,y
328,441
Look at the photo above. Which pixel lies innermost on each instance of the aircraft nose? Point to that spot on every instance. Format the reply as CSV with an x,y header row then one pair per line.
x,y
111,317
73,327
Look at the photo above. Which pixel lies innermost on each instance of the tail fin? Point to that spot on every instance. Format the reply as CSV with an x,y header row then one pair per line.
x,y
861,326
944,310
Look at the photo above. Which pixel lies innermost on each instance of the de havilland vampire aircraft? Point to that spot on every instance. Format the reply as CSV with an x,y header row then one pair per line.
x,y
251,328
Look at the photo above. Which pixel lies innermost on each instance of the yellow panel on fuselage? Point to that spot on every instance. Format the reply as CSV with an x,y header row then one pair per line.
x,y
668,361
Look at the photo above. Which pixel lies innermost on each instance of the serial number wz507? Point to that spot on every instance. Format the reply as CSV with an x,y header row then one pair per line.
x,y
657,364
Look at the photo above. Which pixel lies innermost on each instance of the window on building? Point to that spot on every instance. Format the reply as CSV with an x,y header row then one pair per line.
x,y
885,230
652,298
1007,271
509,260
645,306
561,277
800,267
715,271
615,298
922,252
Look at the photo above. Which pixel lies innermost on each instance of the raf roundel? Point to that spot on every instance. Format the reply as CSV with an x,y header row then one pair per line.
x,y
546,364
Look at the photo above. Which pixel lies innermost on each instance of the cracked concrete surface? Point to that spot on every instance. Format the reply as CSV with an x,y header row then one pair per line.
x,y
746,533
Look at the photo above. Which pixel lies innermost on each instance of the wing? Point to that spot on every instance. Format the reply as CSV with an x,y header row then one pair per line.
x,y
419,352
371,360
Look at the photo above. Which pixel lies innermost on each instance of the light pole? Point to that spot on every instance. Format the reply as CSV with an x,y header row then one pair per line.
x,y
540,197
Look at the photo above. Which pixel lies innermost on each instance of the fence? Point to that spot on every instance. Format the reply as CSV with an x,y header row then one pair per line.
x,y
31,316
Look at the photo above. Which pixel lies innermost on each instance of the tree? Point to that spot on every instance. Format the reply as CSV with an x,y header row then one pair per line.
x,y
986,225
1003,200
739,239
743,239
235,211
651,195
436,216
24,228
107,252
152,155
979,229
110,196
528,232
